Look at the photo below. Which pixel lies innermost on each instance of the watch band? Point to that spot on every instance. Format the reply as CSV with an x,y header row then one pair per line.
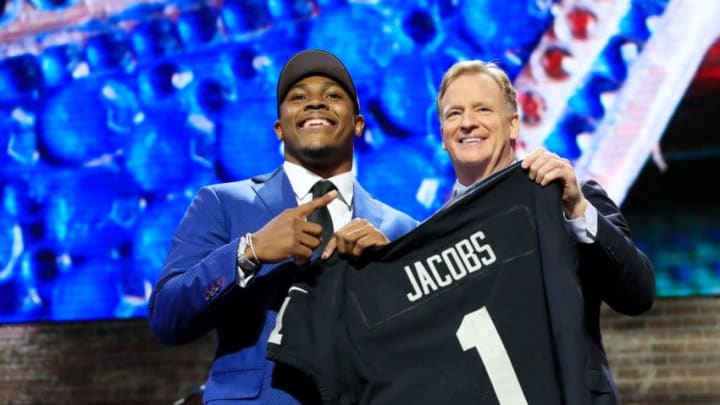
x,y
246,265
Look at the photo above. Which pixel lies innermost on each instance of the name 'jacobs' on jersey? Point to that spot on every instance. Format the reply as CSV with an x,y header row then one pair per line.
x,y
452,264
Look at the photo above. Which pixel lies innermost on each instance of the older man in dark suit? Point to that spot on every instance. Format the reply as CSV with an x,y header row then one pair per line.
x,y
480,124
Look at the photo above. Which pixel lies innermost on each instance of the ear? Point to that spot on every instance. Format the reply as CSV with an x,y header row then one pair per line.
x,y
514,127
359,125
442,138
278,130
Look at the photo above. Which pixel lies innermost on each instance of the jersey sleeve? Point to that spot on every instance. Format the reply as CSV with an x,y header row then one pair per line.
x,y
303,337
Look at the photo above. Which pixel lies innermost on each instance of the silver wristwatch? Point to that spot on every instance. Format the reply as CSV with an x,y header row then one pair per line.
x,y
247,266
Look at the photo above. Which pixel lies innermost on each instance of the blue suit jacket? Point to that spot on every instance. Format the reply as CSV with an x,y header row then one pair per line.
x,y
198,290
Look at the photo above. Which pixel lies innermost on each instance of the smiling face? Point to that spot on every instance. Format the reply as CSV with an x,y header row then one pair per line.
x,y
478,129
317,125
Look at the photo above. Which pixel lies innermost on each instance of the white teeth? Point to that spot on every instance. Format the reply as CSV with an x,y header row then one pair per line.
x,y
470,140
315,122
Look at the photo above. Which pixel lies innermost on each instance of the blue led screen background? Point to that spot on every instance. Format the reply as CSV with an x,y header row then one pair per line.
x,y
114,113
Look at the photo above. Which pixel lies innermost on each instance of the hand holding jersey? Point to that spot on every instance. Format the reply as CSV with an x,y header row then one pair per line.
x,y
352,239
545,167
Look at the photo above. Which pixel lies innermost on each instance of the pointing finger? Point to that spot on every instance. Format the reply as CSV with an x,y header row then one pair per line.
x,y
306,209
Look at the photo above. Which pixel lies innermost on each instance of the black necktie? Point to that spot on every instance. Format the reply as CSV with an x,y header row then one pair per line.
x,y
322,215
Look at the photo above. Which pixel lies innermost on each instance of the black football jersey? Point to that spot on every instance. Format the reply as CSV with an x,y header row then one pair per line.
x,y
453,312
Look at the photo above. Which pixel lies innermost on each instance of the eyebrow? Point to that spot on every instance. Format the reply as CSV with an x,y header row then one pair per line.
x,y
451,107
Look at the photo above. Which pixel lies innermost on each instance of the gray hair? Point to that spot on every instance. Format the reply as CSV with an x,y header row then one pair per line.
x,y
477,66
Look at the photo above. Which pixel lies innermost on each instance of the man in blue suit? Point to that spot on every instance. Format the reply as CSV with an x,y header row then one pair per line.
x,y
480,124
240,244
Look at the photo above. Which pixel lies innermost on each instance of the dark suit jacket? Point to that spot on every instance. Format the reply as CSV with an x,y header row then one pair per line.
x,y
612,270
198,286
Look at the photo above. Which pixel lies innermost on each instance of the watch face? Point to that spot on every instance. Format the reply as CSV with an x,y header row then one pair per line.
x,y
247,264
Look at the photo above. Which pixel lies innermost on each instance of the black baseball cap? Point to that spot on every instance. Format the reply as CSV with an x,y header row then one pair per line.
x,y
315,62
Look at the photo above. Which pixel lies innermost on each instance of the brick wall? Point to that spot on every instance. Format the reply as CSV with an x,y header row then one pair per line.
x,y
109,362
670,355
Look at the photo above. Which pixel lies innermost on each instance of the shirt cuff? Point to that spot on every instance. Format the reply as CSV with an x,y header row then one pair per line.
x,y
244,280
583,229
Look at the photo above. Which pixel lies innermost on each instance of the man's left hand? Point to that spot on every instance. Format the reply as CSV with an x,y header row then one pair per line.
x,y
353,238
545,167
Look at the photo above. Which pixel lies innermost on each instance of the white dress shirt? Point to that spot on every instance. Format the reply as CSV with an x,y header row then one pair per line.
x,y
302,181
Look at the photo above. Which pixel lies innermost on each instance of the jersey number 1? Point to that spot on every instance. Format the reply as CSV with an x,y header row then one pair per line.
x,y
478,331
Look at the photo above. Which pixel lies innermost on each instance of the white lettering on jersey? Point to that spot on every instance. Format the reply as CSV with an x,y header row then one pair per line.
x,y
452,264
276,334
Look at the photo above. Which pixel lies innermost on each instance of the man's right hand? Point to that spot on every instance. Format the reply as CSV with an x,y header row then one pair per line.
x,y
290,235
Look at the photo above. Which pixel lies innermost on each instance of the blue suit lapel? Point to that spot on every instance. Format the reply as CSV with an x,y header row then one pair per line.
x,y
275,192
364,206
